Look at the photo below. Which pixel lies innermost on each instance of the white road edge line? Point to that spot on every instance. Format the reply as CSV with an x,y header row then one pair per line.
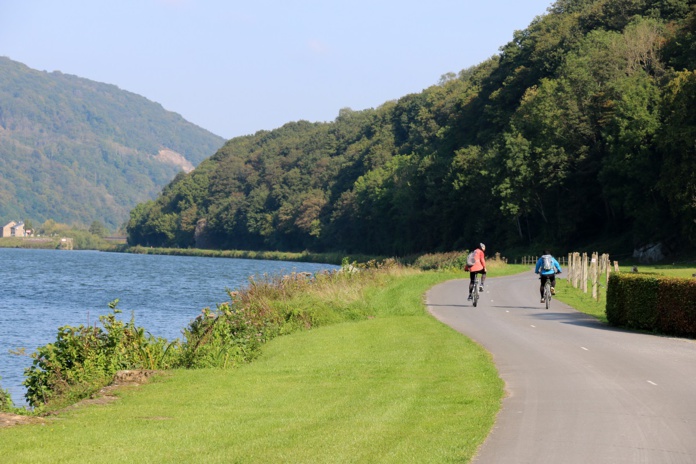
x,y
584,348
652,383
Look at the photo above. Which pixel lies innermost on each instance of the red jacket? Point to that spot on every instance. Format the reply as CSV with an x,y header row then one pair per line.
x,y
480,261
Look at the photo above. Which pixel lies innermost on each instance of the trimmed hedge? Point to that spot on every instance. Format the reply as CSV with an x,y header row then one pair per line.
x,y
664,305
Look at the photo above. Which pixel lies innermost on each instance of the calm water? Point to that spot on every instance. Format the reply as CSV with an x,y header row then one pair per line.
x,y
41,290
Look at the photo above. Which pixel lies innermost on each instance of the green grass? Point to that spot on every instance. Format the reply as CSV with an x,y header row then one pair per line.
x,y
399,387
685,272
581,301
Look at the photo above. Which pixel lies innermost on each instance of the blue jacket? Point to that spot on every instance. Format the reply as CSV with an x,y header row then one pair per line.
x,y
540,262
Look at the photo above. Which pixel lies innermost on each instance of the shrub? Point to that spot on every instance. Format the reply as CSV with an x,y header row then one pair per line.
x,y
83,359
5,401
641,302
441,261
676,307
648,302
616,301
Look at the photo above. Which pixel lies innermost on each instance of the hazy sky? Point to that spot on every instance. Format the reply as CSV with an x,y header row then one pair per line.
x,y
238,67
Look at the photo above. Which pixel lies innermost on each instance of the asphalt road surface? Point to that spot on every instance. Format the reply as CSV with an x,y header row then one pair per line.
x,y
578,391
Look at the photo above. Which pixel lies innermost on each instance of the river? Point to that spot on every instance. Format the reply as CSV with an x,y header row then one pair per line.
x,y
41,290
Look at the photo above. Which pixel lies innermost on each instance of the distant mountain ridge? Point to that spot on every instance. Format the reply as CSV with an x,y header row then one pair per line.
x,y
76,150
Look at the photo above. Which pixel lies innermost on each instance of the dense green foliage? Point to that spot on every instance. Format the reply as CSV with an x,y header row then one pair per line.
x,y
581,128
6,403
86,358
78,151
656,303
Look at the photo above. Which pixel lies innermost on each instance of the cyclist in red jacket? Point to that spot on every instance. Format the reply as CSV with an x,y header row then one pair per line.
x,y
479,267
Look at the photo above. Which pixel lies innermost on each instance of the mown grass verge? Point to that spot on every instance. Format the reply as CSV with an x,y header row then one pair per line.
x,y
582,301
395,387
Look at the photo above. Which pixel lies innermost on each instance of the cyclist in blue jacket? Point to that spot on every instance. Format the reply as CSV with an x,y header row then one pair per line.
x,y
547,267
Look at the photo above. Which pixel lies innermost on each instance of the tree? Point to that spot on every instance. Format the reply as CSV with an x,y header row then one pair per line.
x,y
98,229
677,179
29,226
630,168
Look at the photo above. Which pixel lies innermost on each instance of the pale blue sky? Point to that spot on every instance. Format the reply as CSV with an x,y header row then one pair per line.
x,y
238,67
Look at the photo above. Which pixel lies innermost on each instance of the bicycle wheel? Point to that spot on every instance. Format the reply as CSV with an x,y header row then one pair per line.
x,y
476,292
547,295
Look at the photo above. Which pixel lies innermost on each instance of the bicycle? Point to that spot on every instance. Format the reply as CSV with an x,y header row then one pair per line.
x,y
475,293
547,292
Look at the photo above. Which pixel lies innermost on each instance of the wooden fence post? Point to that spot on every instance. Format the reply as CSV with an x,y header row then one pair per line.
x,y
583,282
594,267
569,268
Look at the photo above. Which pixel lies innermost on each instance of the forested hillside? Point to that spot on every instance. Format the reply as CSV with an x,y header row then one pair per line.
x,y
582,128
78,151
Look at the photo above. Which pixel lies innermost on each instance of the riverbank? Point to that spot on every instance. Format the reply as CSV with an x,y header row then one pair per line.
x,y
39,243
304,256
119,245
394,386
80,240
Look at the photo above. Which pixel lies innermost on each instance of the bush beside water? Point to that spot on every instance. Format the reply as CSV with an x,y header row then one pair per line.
x,y
84,359
5,400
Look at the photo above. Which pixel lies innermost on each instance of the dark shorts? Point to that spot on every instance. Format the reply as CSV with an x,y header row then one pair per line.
x,y
551,277
472,274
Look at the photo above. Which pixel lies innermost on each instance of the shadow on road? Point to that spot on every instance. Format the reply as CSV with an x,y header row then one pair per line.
x,y
515,307
445,305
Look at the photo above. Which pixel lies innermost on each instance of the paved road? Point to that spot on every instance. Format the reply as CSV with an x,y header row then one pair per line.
x,y
577,391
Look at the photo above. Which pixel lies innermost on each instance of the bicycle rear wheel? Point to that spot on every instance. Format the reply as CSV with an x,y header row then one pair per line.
x,y
547,295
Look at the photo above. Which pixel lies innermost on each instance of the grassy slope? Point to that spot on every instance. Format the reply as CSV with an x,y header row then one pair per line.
x,y
400,387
